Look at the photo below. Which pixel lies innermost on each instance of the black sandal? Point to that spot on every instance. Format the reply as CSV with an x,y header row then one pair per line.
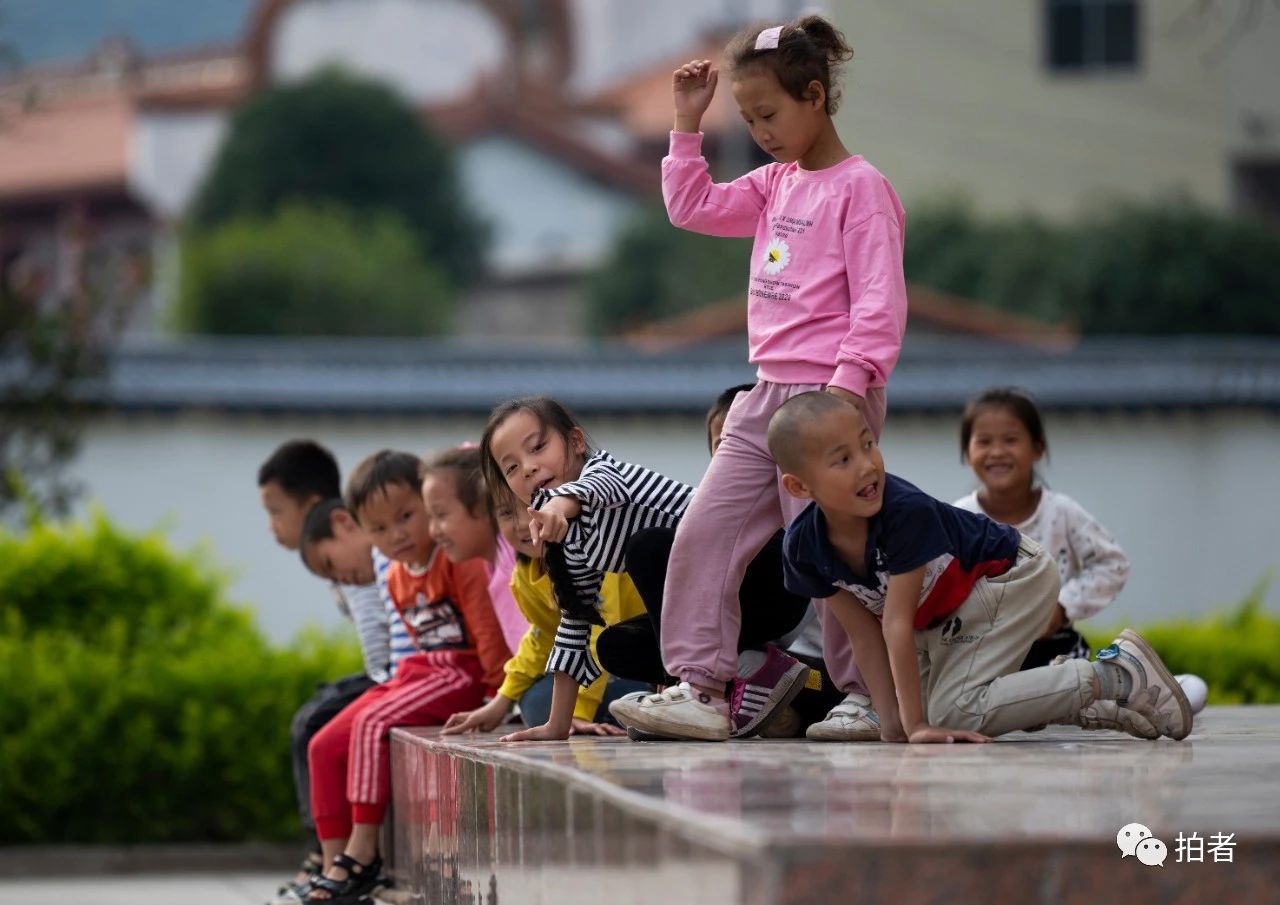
x,y
361,880
312,866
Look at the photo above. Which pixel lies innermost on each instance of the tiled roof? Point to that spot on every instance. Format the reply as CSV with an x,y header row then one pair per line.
x,y
433,376
77,147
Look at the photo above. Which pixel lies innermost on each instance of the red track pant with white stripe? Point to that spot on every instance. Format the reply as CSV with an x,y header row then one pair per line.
x,y
350,757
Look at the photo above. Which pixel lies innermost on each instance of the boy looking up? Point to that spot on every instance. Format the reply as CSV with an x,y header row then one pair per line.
x,y
941,605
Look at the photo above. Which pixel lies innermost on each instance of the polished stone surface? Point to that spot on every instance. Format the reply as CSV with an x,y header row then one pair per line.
x,y
1032,817
231,888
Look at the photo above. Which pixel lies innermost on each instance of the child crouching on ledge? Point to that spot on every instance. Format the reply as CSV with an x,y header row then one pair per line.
x,y
942,605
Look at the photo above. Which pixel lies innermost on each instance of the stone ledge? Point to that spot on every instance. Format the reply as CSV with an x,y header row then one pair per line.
x,y
89,860
1032,818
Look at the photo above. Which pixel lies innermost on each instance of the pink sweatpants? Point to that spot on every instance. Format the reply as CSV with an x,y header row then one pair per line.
x,y
739,505
350,758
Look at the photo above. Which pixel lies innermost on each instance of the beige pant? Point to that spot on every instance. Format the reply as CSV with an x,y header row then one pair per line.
x,y
969,664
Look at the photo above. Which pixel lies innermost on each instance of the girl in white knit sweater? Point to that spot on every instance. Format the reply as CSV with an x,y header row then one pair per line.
x,y
1002,438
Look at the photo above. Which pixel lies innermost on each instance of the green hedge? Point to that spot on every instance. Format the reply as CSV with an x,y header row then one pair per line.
x,y
1237,653
311,270
138,706
1158,267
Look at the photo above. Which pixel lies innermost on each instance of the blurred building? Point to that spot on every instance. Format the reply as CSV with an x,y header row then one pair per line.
x,y
1051,105
103,155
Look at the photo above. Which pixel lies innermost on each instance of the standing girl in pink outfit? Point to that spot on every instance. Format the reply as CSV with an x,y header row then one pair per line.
x,y
826,310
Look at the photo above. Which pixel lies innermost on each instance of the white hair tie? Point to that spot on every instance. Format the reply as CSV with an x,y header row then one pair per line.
x,y
768,39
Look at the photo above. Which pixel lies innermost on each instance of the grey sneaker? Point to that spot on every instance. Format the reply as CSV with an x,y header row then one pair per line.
x,y
1155,693
852,720
1110,715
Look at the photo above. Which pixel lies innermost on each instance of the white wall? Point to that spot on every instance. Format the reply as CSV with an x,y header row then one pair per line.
x,y
1193,498
170,155
544,214
430,50
194,476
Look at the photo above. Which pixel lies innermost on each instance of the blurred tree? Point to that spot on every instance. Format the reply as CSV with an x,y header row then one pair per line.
x,y
656,270
352,141
311,270
1160,267
53,343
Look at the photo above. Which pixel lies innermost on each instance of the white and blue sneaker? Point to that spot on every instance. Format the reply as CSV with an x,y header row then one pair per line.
x,y
1155,694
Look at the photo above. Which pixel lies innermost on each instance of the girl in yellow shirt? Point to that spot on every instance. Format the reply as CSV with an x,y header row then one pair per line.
x,y
527,681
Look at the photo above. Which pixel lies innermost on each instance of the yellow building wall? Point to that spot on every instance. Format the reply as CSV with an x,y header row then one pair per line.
x,y
947,97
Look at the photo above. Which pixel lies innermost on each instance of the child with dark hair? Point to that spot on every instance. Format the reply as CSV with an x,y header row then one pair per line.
x,y
294,482
464,528
299,474
527,681
1003,439
585,506
445,607
826,310
770,613
333,546
942,605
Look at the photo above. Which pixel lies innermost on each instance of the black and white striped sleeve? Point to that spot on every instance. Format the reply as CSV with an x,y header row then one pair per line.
x,y
571,652
600,486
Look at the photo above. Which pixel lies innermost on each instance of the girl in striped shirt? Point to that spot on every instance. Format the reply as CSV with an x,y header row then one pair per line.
x,y
585,506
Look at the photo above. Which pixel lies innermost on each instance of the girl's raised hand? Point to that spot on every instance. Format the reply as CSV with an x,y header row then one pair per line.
x,y
546,526
693,86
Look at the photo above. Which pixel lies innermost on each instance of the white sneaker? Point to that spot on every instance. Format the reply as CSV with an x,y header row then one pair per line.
x,y
680,712
1196,690
1155,694
852,720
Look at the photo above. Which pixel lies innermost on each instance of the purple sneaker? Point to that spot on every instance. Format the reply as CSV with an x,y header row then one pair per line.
x,y
755,698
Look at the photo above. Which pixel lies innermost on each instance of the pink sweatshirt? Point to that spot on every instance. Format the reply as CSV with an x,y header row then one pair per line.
x,y
827,301
512,621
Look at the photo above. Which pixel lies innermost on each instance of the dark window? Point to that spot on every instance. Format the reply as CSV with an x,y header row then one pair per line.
x,y
1084,35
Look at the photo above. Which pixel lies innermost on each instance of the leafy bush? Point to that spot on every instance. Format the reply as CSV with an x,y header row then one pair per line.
x,y
656,270
1156,268
339,138
139,706
310,271
1234,652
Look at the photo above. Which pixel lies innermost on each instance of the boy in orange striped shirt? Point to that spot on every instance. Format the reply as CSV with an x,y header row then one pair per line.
x,y
461,654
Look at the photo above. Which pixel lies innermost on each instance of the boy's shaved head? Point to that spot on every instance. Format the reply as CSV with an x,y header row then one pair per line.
x,y
791,423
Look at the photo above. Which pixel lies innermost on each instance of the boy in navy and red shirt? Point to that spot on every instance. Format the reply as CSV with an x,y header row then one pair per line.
x,y
942,605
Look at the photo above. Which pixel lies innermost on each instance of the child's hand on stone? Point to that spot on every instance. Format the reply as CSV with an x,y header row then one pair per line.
x,y
582,727
935,735
482,719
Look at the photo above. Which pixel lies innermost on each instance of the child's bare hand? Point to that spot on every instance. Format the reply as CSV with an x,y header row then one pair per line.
x,y
934,735
891,730
582,727
543,733
482,720
546,526
693,86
